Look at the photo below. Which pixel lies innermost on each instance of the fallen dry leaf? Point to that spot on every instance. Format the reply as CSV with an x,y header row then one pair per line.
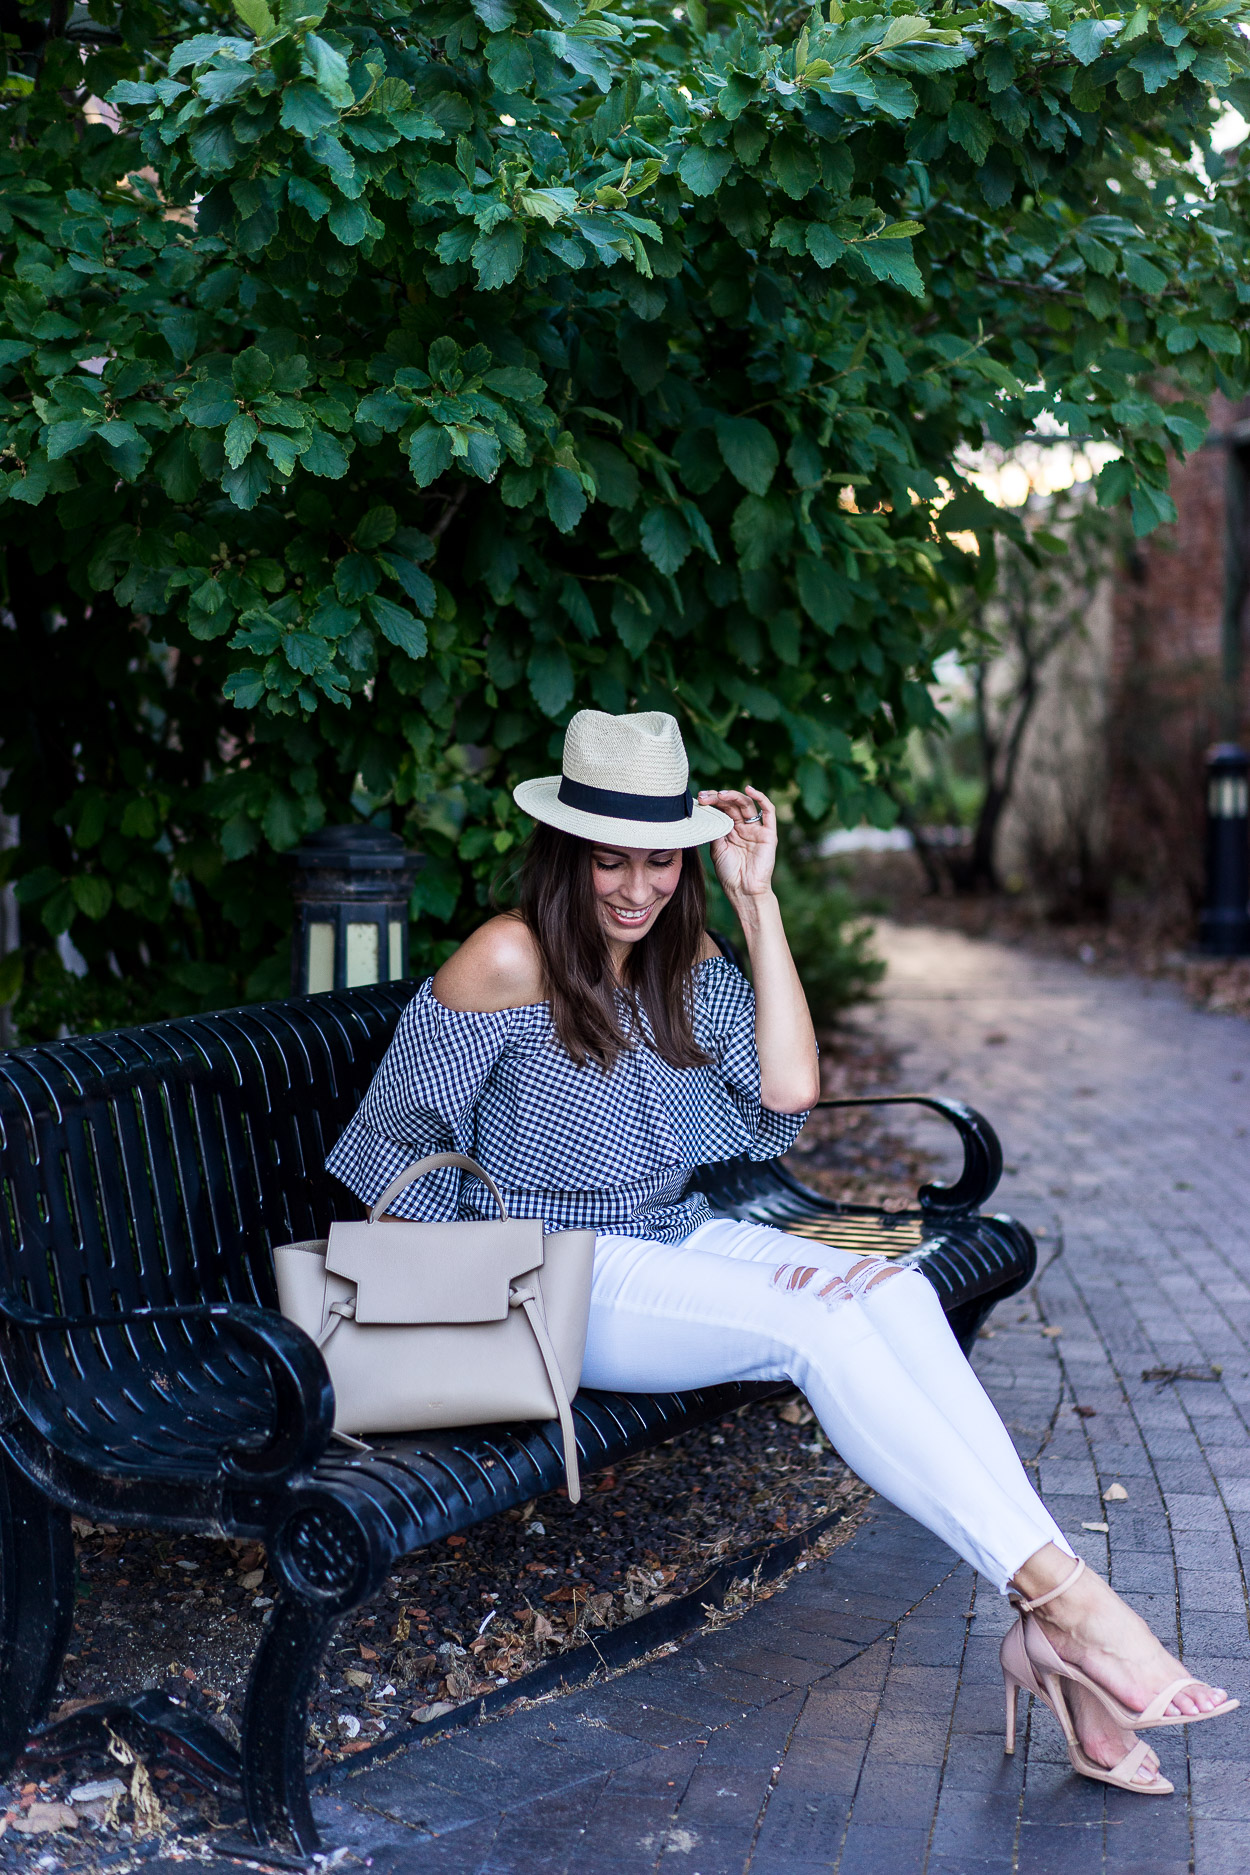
x,y
1051,1333
1115,1494
368,1653
42,1818
1104,1527
355,1677
253,1579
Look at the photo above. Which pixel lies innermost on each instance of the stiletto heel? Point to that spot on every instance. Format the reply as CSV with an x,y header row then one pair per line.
x,y
1011,1689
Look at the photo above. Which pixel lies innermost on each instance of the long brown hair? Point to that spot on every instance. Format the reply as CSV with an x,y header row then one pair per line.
x,y
557,900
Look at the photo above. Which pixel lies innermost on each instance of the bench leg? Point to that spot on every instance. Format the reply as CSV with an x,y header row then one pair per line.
x,y
275,1724
36,1606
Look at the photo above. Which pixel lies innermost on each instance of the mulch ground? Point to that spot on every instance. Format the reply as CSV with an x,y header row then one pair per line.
x,y
466,1616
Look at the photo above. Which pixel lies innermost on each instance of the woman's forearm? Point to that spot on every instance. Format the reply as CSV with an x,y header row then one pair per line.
x,y
784,1037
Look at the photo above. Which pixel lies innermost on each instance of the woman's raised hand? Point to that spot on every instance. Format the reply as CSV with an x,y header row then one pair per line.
x,y
745,857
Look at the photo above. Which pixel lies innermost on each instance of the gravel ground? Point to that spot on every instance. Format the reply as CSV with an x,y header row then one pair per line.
x,y
471,1614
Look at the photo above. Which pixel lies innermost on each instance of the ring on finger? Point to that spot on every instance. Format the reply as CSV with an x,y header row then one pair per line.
x,y
752,818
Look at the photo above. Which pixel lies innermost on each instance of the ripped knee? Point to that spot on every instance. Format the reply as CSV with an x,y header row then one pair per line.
x,y
866,1274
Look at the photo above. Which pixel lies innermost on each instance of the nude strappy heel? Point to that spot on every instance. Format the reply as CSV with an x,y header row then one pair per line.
x,y
1019,1676
1046,1661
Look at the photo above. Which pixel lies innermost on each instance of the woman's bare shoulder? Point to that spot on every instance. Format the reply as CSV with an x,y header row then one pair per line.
x,y
498,967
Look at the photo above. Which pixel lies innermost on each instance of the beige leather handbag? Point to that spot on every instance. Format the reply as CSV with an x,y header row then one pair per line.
x,y
425,1325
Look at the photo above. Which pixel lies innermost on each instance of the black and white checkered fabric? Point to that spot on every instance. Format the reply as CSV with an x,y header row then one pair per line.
x,y
575,1146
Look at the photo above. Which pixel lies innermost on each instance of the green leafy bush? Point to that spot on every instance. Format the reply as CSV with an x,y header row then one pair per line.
x,y
381,383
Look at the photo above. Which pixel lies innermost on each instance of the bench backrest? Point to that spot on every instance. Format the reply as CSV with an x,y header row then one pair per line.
x,y
160,1164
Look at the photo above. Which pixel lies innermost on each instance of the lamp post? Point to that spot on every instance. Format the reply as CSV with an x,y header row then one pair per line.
x,y
351,888
1224,928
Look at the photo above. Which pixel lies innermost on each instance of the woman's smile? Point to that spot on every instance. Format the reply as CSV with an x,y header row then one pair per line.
x,y
630,915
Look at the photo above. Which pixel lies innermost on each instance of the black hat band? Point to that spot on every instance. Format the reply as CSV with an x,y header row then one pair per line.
x,y
614,806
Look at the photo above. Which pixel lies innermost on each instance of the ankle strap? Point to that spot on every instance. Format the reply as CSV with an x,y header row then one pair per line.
x,y
1040,1601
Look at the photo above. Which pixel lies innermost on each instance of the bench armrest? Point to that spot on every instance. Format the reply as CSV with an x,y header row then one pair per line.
x,y
983,1156
299,1384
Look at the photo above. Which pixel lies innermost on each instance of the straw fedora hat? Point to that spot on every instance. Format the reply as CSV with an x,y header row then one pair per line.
x,y
625,782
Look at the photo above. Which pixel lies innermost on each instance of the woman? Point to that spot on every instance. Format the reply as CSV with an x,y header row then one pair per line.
x,y
591,1049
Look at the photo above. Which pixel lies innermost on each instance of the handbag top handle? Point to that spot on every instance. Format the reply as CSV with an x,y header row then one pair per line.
x,y
434,1163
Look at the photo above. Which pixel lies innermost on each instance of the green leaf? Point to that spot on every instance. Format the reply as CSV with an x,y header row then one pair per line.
x,y
349,222
1151,508
551,678
325,456
892,261
305,111
616,479
509,62
177,467
1218,338
251,372
256,14
793,162
282,823
971,129
822,594
824,246
375,528
703,170
245,689
498,255
1088,37
209,404
749,452
65,438
355,575
398,625
246,484
328,70
1115,480
565,499
418,585
516,382
92,895
665,539
304,193
972,512
58,912
282,450
241,433
1143,274
429,453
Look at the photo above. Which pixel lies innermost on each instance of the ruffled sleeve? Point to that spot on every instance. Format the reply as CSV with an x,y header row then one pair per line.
x,y
421,1100
755,1132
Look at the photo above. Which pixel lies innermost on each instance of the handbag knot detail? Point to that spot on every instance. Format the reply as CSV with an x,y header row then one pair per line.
x,y
444,1324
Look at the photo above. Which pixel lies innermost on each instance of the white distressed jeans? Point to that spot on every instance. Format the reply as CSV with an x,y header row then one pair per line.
x,y
866,1343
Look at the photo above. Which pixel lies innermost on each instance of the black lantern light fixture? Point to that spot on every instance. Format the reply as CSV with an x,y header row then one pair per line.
x,y
351,889
1224,930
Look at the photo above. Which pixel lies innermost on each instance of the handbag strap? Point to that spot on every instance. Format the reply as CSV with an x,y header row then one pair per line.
x,y
434,1163
518,1298
528,1300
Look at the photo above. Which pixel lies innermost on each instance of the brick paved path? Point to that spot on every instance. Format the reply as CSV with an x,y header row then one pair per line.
x,y
852,1724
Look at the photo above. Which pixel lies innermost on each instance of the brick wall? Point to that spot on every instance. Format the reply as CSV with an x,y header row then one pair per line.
x,y
1168,699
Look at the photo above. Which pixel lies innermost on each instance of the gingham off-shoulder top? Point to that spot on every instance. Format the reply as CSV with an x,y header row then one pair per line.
x,y
575,1146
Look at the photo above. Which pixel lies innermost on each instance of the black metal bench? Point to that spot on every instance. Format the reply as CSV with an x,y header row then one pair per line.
x,y
147,1380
